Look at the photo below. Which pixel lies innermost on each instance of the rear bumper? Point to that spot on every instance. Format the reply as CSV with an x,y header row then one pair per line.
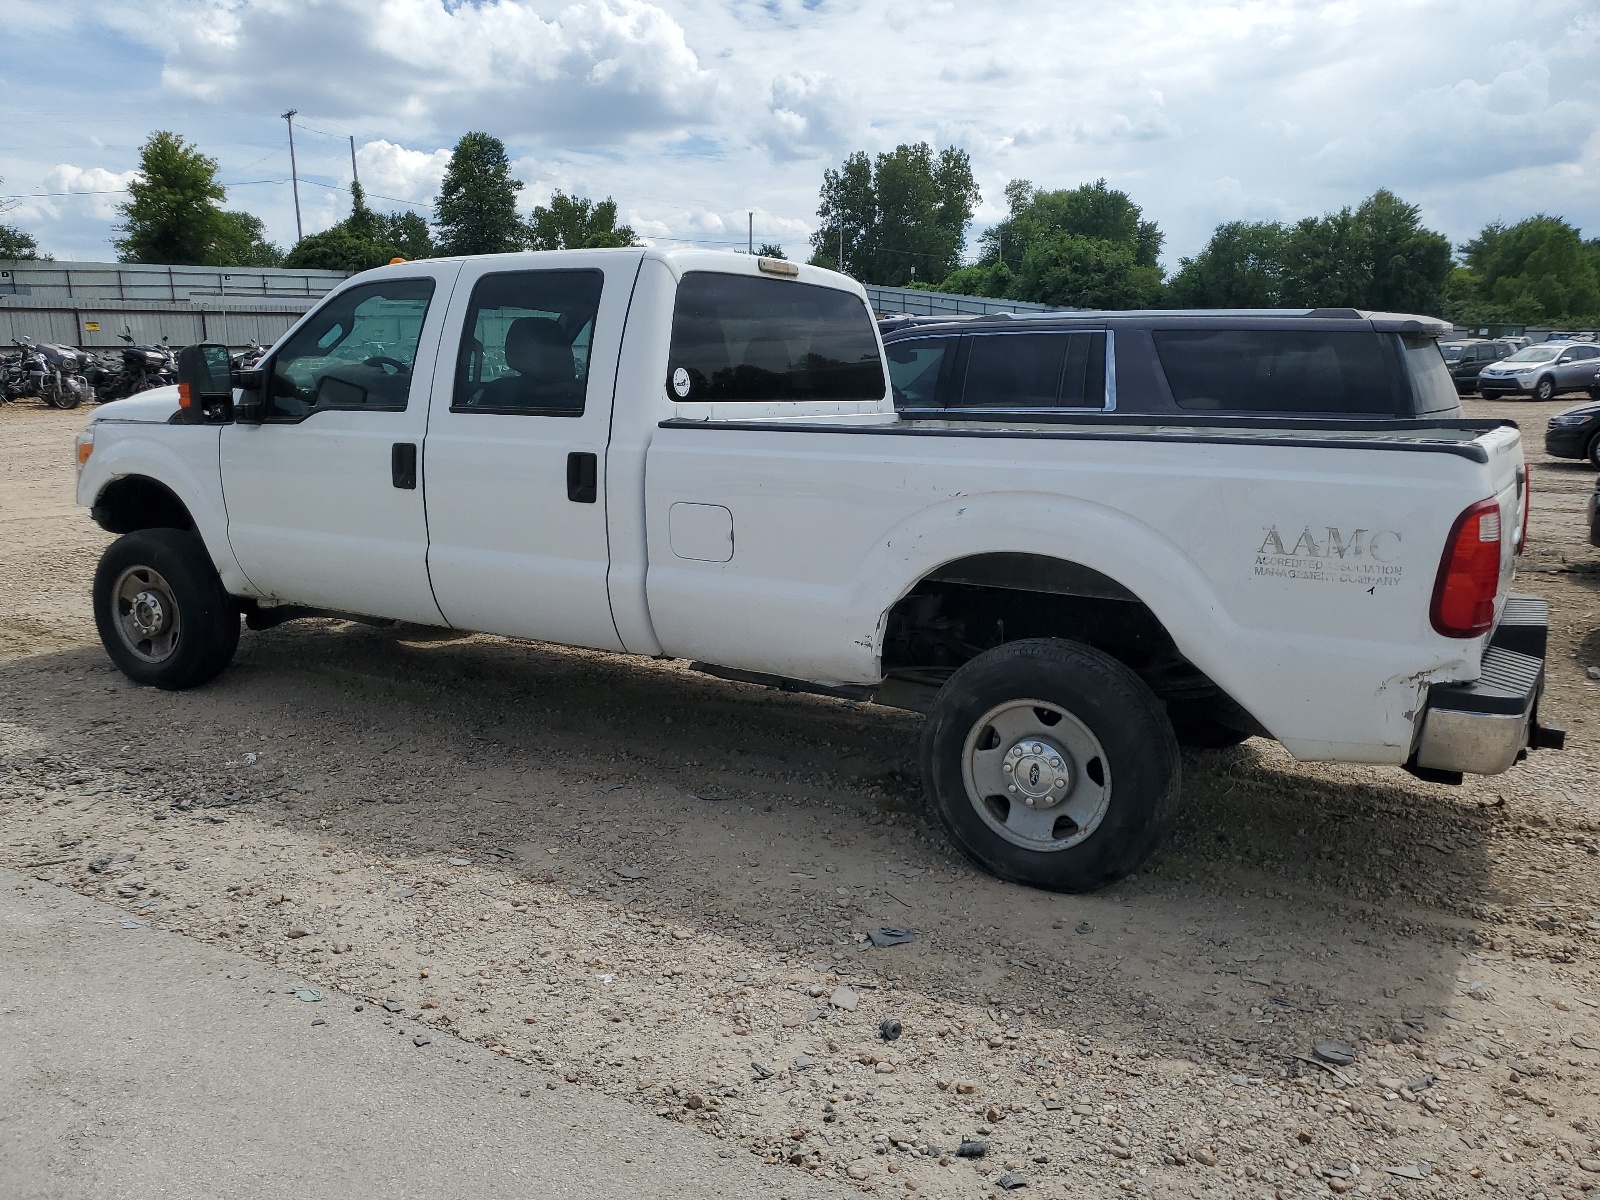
x,y
1483,727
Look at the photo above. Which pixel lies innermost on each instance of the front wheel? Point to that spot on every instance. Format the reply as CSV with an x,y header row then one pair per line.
x,y
161,610
1051,764
1545,389
1594,451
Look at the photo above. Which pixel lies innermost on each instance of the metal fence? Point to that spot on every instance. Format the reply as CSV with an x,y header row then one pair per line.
x,y
943,304
78,281
95,325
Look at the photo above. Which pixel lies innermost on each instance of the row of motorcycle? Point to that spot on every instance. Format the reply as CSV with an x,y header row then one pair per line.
x,y
64,376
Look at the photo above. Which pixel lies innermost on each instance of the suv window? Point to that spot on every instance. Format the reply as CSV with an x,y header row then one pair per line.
x,y
915,368
525,343
1035,370
1586,352
1430,378
356,352
744,338
1281,370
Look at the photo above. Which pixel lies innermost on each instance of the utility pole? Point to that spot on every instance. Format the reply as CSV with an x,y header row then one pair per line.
x,y
841,247
294,174
752,233
355,176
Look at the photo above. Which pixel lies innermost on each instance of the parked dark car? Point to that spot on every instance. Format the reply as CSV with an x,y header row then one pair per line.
x,y
1203,363
1575,432
1543,371
1465,359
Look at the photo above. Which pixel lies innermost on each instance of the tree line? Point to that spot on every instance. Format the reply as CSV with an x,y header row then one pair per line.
x,y
901,220
174,214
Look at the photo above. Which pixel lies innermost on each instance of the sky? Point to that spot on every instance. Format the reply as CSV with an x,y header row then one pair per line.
x,y
693,114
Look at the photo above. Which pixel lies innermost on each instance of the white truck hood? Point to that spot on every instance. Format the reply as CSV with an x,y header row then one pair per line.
x,y
154,407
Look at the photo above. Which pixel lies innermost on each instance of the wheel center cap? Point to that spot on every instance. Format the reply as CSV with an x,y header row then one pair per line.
x,y
1039,771
149,615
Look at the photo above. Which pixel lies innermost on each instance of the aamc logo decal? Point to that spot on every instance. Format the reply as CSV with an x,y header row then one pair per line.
x,y
1367,558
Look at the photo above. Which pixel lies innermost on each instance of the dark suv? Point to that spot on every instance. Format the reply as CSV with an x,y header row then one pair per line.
x,y
1285,363
1466,358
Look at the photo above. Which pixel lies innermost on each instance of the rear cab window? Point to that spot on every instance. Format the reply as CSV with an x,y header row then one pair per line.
x,y
1285,371
1431,385
745,339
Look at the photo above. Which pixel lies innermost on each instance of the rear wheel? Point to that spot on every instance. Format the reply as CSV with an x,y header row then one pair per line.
x,y
1594,451
1545,389
1051,764
161,610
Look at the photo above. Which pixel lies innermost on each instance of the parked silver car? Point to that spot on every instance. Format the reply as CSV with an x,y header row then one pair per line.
x,y
1543,371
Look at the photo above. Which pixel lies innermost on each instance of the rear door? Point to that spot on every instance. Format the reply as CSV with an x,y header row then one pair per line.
x,y
516,446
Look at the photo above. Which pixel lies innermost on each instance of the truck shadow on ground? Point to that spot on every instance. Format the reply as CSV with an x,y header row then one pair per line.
x,y
1342,897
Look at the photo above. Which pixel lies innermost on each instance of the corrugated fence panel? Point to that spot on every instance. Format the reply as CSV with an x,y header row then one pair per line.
x,y
97,325
76,281
918,303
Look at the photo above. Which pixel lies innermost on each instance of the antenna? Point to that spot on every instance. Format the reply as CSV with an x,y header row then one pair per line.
x,y
294,174
752,233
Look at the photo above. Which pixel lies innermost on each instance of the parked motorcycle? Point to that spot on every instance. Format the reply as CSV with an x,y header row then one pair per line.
x,y
53,373
142,368
248,359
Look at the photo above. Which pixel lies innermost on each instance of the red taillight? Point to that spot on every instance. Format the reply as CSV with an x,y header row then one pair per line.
x,y
1469,574
1527,506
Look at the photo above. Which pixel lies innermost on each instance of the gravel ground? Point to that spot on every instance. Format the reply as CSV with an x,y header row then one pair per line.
x,y
658,885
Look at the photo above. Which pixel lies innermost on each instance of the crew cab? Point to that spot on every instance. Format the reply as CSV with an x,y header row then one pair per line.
x,y
1176,364
697,455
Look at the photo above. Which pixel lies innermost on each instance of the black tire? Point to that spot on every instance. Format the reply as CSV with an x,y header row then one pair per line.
x,y
1594,451
1198,729
1137,779
1545,389
162,612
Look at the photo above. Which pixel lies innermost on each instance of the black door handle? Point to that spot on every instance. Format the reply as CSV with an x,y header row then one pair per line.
x,y
583,471
403,465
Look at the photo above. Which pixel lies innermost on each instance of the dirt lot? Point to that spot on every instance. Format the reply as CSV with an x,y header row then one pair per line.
x,y
657,884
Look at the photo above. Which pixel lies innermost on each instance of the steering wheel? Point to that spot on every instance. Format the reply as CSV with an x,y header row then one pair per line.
x,y
383,360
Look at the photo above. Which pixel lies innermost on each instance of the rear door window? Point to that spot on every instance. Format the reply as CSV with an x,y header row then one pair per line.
x,y
525,343
915,369
1282,370
744,338
1035,370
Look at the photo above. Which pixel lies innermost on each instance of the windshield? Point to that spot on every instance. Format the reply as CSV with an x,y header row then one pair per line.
x,y
1451,353
1535,354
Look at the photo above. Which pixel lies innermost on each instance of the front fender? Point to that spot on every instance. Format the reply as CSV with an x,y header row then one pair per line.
x,y
183,458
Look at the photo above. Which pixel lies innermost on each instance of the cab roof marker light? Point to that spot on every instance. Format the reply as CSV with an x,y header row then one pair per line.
x,y
777,266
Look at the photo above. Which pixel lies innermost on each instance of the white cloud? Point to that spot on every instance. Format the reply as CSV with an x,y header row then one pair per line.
x,y
392,170
689,110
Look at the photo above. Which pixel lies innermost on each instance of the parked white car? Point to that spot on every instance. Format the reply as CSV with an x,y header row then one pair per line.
x,y
696,454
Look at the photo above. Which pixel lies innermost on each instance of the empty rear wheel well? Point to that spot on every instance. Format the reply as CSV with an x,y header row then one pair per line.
x,y
139,502
975,604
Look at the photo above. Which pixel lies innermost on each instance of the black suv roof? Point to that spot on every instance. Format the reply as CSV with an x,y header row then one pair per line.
x,y
897,324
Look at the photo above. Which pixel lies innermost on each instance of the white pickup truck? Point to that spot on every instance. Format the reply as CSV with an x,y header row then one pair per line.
x,y
696,455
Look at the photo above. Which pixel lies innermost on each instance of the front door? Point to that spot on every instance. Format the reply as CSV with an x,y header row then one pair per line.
x,y
517,448
324,503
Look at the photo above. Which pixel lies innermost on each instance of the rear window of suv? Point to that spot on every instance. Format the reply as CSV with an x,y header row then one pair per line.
x,y
1279,370
744,338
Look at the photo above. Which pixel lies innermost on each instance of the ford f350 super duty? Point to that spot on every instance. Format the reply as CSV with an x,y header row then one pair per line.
x,y
697,455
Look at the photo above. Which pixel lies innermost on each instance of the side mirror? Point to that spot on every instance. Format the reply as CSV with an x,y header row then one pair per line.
x,y
205,390
249,408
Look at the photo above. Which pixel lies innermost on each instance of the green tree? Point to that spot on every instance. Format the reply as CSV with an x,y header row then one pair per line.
x,y
574,223
1240,267
14,243
358,243
410,235
476,209
1376,256
174,213
904,215
242,242
992,279
770,250
1538,270
1087,247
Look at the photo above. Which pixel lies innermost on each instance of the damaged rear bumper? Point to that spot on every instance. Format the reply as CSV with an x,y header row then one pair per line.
x,y
1483,727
